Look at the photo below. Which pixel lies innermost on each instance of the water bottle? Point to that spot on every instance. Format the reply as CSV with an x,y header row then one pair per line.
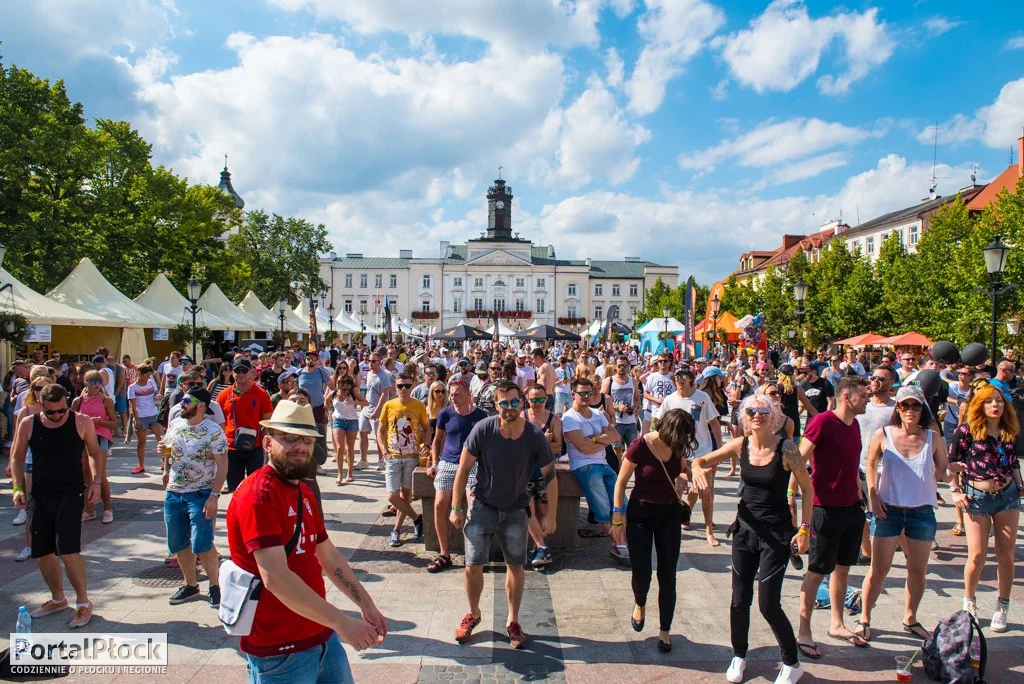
x,y
24,625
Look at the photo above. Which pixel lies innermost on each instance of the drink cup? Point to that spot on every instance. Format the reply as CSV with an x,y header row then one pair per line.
x,y
162,448
423,461
903,669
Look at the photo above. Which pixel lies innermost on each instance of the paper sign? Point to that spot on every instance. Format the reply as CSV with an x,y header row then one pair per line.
x,y
229,335
161,334
39,333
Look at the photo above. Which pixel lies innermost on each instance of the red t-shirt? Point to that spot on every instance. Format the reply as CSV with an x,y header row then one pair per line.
x,y
249,407
261,515
835,465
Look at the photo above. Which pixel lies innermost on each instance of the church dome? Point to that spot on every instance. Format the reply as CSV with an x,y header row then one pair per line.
x,y
225,187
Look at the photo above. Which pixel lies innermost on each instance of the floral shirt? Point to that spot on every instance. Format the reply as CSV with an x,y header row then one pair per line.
x,y
193,448
986,459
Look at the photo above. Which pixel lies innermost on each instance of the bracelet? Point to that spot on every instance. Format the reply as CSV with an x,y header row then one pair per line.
x,y
215,495
617,523
790,493
99,482
618,509
456,508
805,526
804,531
18,489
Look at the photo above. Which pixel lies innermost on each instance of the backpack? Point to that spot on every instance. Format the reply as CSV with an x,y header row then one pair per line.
x,y
164,412
947,653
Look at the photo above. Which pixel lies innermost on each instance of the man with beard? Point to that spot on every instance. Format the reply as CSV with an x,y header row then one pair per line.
x,y
194,456
293,618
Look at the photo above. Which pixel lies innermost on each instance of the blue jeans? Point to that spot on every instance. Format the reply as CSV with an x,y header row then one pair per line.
x,y
918,523
185,521
325,663
598,484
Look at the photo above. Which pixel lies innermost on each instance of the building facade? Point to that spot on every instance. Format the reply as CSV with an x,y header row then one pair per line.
x,y
498,271
754,264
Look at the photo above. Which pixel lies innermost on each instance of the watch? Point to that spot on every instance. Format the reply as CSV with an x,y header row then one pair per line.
x,y
215,495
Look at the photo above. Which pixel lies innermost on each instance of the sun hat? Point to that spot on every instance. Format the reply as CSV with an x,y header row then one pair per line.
x,y
291,418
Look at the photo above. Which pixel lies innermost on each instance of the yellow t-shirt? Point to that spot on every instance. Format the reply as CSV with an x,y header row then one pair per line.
x,y
402,424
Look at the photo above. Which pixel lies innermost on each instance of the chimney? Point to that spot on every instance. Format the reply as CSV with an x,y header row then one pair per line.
x,y
405,254
790,240
588,262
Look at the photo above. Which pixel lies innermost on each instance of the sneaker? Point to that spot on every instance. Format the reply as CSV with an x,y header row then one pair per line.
x,y
108,517
797,561
21,517
736,669
465,629
87,516
49,608
395,540
215,596
516,637
138,470
184,595
417,526
971,606
998,623
320,470
83,614
790,674
361,465
24,555
380,467
541,557
621,554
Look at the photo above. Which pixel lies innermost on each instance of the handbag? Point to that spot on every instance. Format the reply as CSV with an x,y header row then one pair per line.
x,y
245,438
685,506
241,589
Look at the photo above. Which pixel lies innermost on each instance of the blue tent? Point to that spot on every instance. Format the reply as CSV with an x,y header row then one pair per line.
x,y
649,342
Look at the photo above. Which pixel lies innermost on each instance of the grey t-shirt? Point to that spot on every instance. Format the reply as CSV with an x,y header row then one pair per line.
x,y
506,465
375,386
421,392
875,416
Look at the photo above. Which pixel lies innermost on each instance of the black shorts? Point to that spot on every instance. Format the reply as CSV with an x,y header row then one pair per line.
x,y
538,490
55,522
837,534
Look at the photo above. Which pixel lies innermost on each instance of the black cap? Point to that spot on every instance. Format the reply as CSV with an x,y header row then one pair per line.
x,y
98,358
786,369
200,394
241,363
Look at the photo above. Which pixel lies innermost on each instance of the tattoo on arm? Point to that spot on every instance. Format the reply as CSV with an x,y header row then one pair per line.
x,y
548,472
791,456
350,586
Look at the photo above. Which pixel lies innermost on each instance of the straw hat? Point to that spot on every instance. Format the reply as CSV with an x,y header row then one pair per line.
x,y
294,419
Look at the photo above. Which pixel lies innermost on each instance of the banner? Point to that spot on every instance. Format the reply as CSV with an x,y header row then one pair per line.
x,y
688,304
613,313
387,317
161,334
39,333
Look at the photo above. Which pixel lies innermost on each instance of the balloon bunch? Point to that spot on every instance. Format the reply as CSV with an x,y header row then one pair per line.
x,y
974,354
753,329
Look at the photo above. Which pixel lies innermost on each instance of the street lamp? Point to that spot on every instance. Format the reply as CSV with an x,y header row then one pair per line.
x,y
195,289
664,315
800,292
716,304
995,262
282,307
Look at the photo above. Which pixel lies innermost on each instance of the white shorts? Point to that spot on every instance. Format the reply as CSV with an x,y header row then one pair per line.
x,y
398,472
444,481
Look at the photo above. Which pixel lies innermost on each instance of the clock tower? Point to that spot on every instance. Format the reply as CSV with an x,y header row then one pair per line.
x,y
499,211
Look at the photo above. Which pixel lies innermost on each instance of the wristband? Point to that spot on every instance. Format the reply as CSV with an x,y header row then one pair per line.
x,y
456,508
18,490
215,495
804,531
99,482
617,523
790,493
618,509
805,526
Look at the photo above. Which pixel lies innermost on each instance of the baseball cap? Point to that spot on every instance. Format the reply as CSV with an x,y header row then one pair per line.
x,y
785,369
242,363
200,394
761,366
522,352
910,392
287,373
481,368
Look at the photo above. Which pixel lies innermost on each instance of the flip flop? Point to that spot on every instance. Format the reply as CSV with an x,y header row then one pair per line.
x,y
852,640
809,650
913,629
865,630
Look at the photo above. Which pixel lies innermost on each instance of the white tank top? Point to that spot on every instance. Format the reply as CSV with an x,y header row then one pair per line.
x,y
345,409
907,482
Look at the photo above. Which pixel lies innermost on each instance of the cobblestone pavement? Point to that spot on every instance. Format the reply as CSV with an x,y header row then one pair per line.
x,y
576,612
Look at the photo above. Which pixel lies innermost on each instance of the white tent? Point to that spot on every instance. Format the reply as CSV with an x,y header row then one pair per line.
x,y
534,324
252,305
352,322
162,297
658,325
503,330
408,329
41,310
323,321
345,325
85,288
215,302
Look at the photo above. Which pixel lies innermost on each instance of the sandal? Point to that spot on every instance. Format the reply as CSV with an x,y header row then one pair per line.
x,y
389,512
852,640
809,650
958,530
917,629
590,534
865,630
338,482
440,563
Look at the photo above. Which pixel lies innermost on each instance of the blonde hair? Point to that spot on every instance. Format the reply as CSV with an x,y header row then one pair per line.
x,y
776,420
978,422
785,383
93,375
432,404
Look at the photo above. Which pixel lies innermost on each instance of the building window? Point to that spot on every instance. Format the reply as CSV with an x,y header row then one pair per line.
x,y
540,283
348,280
378,281
426,282
869,245
478,282
520,304
899,235
598,291
362,280
599,312
913,235
348,306
572,292
362,306
457,305
457,281
616,291
392,281
855,246
520,282
571,311
478,303
425,306
634,290
540,306
499,303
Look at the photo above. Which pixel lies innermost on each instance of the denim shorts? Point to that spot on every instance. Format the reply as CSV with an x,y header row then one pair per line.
x,y
628,432
146,422
563,400
990,503
398,472
324,663
103,442
511,527
598,484
918,523
185,521
121,404
345,424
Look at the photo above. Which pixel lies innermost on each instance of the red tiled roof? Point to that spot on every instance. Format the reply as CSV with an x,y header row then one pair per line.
x,y
1006,180
812,241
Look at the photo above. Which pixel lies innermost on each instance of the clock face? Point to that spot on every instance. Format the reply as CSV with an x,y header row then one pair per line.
x,y
499,204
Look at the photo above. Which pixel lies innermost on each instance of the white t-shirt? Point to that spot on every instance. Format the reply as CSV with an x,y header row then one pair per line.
x,y
144,397
525,375
702,410
170,374
658,385
589,427
562,380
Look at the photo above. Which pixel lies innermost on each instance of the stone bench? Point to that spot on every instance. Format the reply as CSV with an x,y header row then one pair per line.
x,y
567,514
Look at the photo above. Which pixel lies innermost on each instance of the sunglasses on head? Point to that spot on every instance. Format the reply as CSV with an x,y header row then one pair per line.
x,y
758,411
38,388
510,404
56,412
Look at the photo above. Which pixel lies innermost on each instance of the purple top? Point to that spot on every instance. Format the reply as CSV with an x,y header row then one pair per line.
x,y
650,484
986,459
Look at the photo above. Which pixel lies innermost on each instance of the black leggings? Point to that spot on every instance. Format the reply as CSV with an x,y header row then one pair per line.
x,y
656,525
242,464
752,556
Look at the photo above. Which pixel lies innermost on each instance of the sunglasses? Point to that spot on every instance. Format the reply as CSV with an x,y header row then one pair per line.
x,y
38,388
494,368
773,394
585,394
759,411
876,378
288,438
404,385
438,392
57,412
430,374
538,400
909,406
95,382
188,401
510,404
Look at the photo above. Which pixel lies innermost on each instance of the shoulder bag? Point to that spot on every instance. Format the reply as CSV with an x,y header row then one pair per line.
x,y
685,506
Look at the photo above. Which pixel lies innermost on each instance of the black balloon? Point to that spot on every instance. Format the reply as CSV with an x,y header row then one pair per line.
x,y
974,354
928,380
945,352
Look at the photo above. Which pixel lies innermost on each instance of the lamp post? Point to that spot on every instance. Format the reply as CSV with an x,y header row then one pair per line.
x,y
800,292
995,262
664,315
195,289
282,307
716,304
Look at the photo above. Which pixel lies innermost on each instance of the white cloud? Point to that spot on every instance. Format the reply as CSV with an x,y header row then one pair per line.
x,y
673,31
1015,43
720,90
777,142
804,169
996,125
784,45
936,26
615,66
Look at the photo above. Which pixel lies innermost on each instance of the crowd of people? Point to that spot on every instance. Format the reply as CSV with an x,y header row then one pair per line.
x,y
839,458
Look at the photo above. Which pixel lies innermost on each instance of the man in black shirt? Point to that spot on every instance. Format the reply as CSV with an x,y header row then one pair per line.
x,y
269,376
820,392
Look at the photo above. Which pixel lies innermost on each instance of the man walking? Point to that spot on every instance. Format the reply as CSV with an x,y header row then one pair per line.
x,y
194,464
65,454
270,376
832,441
379,389
545,376
877,414
659,385
404,435
508,448
244,404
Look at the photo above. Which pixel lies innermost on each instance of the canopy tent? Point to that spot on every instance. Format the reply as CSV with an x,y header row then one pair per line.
x,y
547,332
252,306
85,288
41,310
215,302
907,339
533,324
865,340
409,329
323,321
351,322
661,325
161,296
726,323
503,330
598,326
461,333
343,325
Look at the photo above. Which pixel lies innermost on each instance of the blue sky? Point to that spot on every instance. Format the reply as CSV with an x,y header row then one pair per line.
x,y
681,131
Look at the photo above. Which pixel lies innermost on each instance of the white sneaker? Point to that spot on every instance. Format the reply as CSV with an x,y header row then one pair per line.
x,y
998,623
790,675
21,517
736,668
25,554
971,606
108,517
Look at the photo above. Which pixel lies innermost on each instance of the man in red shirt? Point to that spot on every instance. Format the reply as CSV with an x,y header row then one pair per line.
x,y
295,630
244,404
832,438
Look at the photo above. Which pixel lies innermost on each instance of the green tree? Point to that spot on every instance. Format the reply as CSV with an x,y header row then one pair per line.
x,y
656,298
825,319
738,298
776,302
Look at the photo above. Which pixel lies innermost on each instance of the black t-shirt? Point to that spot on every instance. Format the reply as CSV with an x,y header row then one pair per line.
x,y
818,393
505,466
268,378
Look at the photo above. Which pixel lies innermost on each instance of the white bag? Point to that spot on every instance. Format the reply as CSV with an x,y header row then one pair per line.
x,y
240,594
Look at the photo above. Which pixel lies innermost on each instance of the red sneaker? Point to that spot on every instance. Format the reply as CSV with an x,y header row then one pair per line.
x,y
138,470
516,637
465,630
